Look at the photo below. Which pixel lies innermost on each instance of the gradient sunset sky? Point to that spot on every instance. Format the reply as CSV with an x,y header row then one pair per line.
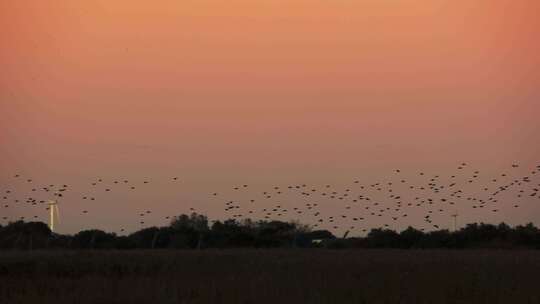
x,y
261,92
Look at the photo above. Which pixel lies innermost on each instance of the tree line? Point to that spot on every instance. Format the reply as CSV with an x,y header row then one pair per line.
x,y
194,232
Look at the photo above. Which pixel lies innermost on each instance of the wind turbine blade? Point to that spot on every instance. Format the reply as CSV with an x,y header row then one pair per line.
x,y
57,212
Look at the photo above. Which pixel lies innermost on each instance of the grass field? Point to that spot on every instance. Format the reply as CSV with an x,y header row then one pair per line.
x,y
270,276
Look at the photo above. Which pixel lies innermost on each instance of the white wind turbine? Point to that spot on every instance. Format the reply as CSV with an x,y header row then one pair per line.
x,y
455,216
53,208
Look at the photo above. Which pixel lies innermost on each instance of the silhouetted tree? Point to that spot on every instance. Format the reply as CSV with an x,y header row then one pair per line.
x,y
383,238
192,231
94,239
410,238
152,237
21,235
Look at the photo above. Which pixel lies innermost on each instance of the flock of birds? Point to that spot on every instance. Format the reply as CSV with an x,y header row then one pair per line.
x,y
394,200
353,206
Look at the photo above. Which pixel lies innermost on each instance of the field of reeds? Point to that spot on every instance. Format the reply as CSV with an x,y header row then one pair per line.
x,y
270,276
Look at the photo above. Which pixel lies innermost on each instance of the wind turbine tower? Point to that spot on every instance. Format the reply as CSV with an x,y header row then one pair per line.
x,y
455,215
53,209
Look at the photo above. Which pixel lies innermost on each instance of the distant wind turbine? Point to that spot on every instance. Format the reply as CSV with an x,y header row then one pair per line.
x,y
53,208
455,215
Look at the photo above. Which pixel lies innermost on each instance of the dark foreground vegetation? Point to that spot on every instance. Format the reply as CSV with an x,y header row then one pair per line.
x,y
270,276
194,232
37,266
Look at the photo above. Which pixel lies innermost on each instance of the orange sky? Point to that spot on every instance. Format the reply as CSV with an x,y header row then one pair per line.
x,y
265,92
